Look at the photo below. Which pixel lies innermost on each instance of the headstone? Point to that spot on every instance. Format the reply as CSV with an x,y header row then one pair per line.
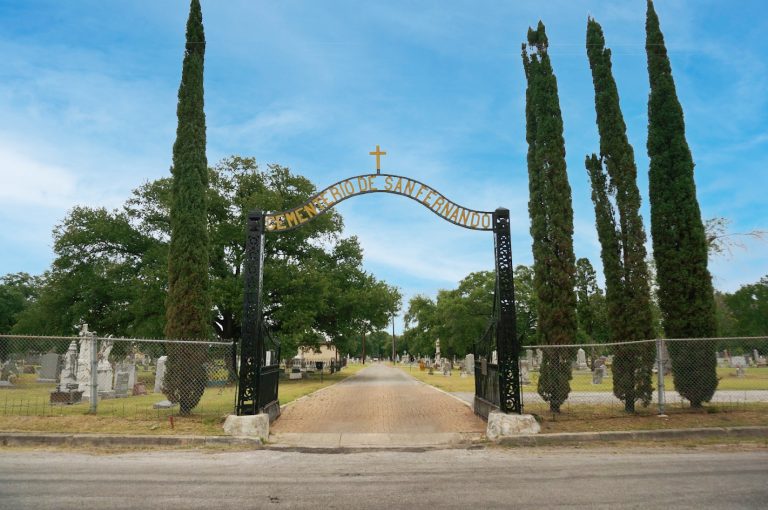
x,y
529,357
525,377
160,374
49,368
755,356
125,378
581,359
9,373
67,391
598,374
447,368
163,404
84,366
469,364
738,362
539,357
494,358
437,349
68,376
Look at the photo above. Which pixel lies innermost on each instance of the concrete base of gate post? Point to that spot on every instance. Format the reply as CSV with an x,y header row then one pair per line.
x,y
248,426
504,425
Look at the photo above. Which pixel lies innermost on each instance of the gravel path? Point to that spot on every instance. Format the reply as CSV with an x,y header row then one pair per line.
x,y
378,400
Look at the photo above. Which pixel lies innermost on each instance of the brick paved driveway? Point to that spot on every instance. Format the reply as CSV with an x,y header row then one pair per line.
x,y
378,400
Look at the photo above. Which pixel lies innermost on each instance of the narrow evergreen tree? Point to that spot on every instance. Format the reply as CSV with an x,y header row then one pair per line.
x,y
551,220
621,233
187,305
686,296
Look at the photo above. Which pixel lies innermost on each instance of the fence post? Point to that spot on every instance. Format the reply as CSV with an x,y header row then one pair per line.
x,y
94,373
660,373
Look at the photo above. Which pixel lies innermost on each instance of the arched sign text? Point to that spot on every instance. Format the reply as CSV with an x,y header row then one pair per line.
x,y
379,183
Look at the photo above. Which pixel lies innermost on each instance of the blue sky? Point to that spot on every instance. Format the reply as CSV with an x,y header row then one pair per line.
x,y
88,95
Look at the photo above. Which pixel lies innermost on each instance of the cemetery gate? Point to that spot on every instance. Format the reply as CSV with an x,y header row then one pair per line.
x,y
497,381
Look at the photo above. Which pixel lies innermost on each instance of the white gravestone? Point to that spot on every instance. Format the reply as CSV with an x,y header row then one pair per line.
x,y
84,365
529,357
539,357
160,374
581,359
68,377
525,377
469,364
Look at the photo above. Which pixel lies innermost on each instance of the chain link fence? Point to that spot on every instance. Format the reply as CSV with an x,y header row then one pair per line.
x,y
652,376
132,378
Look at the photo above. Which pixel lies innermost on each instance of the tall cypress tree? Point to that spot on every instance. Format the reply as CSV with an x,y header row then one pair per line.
x,y
621,233
551,220
686,296
187,307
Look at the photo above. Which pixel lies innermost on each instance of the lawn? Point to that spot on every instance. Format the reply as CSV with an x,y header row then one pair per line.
x,y
578,416
26,408
754,379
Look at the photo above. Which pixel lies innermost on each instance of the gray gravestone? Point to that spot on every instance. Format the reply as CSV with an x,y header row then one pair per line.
x,y
738,362
539,357
598,374
755,356
529,357
125,378
160,374
9,372
121,384
49,368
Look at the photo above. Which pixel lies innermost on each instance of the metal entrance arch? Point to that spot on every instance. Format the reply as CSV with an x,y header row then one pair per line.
x,y
497,385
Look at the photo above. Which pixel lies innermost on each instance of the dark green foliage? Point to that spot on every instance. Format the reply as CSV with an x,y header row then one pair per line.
x,y
679,242
187,308
621,233
745,312
458,317
526,305
551,220
590,304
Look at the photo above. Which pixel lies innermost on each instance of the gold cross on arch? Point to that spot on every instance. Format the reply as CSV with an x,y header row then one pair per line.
x,y
378,153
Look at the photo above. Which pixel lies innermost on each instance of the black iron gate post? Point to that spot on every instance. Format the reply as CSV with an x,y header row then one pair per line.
x,y
252,343
507,343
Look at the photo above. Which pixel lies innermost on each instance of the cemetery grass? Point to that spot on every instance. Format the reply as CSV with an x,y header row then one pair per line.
x,y
26,408
754,379
584,417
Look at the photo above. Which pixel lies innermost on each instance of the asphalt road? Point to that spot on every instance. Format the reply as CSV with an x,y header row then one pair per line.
x,y
480,479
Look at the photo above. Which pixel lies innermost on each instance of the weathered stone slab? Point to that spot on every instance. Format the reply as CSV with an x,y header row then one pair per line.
x,y
248,426
505,425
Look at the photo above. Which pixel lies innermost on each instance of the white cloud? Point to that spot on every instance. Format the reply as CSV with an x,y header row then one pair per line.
x,y
29,182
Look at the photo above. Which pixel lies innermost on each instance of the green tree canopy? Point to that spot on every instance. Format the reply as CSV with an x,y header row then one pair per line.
x,y
109,269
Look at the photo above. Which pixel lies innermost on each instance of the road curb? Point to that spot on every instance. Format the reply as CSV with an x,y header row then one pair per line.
x,y
108,440
634,435
142,441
